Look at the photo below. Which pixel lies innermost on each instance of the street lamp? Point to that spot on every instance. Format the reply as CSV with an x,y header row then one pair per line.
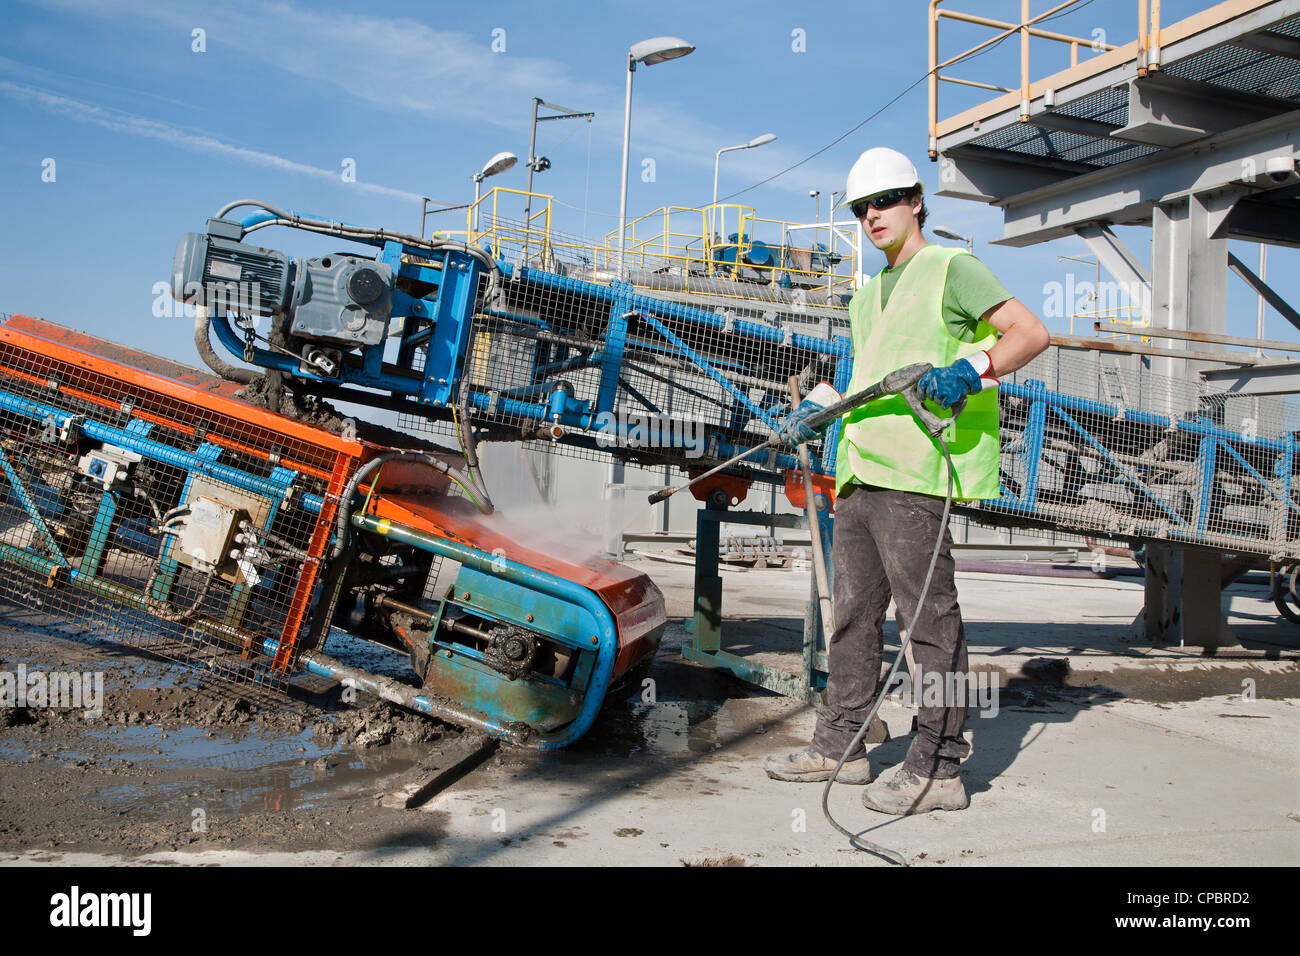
x,y
649,52
943,233
497,164
756,141
816,196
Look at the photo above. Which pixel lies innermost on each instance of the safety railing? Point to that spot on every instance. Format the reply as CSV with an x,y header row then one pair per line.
x,y
724,249
1130,316
730,242
489,221
1147,50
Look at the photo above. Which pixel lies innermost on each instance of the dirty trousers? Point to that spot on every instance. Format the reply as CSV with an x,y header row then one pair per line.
x,y
882,546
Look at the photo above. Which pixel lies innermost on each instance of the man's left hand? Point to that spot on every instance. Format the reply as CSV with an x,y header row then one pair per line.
x,y
948,386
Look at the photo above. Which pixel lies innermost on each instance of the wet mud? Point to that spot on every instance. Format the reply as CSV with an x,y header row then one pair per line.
x,y
179,761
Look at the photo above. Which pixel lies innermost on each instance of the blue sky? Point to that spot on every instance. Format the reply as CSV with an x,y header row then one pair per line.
x,y
149,137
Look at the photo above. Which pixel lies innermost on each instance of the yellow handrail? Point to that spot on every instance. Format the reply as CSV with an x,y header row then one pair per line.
x,y
693,243
1026,29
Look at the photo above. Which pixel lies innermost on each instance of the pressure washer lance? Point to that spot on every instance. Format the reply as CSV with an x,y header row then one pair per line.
x,y
902,380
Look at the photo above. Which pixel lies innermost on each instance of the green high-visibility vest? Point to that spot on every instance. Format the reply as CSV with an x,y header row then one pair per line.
x,y
883,443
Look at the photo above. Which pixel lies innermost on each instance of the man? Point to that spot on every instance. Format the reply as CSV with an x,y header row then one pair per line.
x,y
929,304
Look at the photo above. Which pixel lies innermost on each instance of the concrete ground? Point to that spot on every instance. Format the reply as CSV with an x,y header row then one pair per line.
x,y
1135,755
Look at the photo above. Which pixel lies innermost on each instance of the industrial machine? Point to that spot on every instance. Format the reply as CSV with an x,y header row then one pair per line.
x,y
180,520
245,540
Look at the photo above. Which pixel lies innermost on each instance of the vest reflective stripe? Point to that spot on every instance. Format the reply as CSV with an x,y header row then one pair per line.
x,y
883,443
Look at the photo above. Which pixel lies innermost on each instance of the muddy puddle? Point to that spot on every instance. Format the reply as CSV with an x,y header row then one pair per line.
x,y
666,727
173,759
259,771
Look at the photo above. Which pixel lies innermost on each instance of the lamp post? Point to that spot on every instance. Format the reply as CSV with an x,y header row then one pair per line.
x,y
756,141
497,164
539,164
943,233
1096,264
830,246
649,52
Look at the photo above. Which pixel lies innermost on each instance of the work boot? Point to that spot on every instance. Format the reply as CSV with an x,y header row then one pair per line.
x,y
808,766
904,792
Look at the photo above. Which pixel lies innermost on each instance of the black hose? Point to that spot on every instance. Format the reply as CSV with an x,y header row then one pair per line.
x,y
469,445
331,227
368,469
203,342
163,610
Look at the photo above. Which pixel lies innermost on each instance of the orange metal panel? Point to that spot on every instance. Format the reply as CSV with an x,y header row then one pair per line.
x,y
822,485
179,390
320,540
635,602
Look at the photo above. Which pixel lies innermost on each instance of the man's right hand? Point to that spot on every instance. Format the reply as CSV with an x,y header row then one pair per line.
x,y
797,427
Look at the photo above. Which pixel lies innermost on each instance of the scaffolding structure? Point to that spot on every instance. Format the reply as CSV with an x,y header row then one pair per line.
x,y
1190,129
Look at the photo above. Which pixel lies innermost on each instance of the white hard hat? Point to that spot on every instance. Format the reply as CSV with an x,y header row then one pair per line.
x,y
879,170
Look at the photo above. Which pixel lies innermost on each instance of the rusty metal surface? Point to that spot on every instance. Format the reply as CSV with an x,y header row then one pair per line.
x,y
124,354
637,605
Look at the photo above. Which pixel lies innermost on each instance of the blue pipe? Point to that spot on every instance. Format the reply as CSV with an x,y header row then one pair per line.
x,y
1200,427
532,579
838,346
152,449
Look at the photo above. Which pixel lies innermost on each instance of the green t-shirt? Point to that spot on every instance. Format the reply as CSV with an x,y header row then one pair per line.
x,y
971,291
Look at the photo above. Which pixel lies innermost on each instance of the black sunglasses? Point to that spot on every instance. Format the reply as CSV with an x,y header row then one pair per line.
x,y
883,201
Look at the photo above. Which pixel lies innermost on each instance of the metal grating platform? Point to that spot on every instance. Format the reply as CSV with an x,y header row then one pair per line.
x,y
1229,73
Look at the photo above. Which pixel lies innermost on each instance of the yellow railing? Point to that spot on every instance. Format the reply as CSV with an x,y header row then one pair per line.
x,y
728,241
725,241
1130,315
502,231
1148,31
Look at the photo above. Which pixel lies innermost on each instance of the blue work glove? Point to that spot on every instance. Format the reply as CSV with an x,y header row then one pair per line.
x,y
795,428
948,386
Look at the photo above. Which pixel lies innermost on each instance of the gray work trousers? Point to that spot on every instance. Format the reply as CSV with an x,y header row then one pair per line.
x,y
882,547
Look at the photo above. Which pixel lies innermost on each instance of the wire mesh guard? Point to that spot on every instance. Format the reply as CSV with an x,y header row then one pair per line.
x,y
170,526
1089,446
1092,447
594,369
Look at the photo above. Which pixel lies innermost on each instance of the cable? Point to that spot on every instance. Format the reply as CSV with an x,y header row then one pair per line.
x,y
203,343
921,79
369,468
835,142
331,227
857,842
162,609
468,448
584,211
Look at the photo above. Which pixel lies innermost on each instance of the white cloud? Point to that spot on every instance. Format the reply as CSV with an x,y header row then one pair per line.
x,y
407,66
132,125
